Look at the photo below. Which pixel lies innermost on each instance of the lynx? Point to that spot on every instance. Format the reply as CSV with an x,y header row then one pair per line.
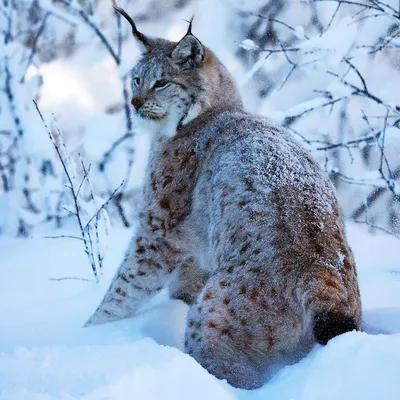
x,y
237,220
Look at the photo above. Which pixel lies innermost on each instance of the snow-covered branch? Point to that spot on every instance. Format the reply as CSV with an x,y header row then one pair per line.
x,y
326,64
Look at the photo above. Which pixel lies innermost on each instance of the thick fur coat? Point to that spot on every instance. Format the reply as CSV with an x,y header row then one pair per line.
x,y
237,220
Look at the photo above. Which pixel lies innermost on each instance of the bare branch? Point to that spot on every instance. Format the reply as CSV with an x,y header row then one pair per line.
x,y
378,228
104,205
373,197
63,237
93,27
70,278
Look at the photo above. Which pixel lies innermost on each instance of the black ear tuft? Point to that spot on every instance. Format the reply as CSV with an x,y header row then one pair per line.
x,y
189,52
145,42
190,22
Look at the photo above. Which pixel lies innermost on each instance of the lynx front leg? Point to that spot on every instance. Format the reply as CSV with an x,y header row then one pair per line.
x,y
146,269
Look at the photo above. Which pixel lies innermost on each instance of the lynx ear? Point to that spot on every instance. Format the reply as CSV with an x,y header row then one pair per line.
x,y
189,52
144,41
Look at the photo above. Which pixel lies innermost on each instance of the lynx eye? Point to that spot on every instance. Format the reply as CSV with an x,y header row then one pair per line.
x,y
161,83
136,81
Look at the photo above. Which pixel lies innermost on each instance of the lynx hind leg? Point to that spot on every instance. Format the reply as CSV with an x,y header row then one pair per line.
x,y
212,342
239,330
190,280
146,269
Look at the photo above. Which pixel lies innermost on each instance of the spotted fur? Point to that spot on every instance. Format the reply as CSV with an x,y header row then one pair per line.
x,y
238,220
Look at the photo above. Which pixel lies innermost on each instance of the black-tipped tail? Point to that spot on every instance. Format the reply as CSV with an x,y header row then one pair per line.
x,y
329,324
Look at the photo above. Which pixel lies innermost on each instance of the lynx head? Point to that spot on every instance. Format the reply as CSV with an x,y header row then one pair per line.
x,y
173,83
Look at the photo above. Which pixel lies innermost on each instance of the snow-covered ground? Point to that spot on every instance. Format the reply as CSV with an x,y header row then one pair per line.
x,y
45,354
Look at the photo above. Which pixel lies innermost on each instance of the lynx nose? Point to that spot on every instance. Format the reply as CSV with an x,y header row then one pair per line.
x,y
137,102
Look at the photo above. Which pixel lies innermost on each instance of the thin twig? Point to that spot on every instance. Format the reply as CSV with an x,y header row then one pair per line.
x,y
70,278
379,228
96,225
94,28
63,237
103,205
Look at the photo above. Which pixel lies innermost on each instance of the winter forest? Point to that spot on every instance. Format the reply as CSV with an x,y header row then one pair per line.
x,y
73,162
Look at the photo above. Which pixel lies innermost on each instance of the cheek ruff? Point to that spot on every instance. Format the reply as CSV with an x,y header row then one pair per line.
x,y
152,111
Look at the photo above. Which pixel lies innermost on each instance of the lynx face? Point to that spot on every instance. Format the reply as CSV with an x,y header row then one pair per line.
x,y
173,83
169,84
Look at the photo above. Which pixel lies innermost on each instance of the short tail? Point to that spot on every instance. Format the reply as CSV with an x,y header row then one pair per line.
x,y
334,302
327,325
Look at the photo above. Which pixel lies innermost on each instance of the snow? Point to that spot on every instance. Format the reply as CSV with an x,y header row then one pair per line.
x,y
45,354
248,44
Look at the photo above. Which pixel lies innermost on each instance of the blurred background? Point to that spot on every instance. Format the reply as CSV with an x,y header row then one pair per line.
x,y
327,70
